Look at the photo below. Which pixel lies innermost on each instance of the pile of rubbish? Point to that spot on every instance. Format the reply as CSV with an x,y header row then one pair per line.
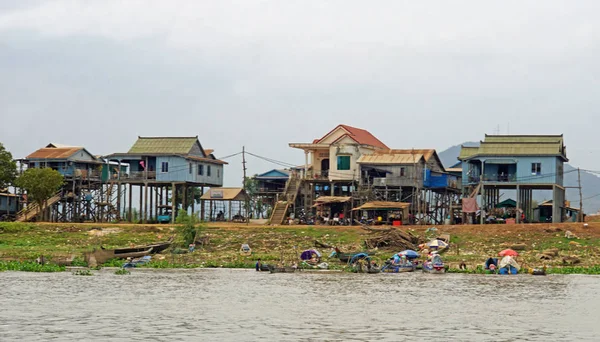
x,y
392,238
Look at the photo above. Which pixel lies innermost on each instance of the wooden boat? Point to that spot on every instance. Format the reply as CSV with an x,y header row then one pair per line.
x,y
435,266
102,255
157,247
286,269
397,268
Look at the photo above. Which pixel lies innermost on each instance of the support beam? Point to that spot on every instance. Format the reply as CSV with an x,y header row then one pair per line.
x,y
173,201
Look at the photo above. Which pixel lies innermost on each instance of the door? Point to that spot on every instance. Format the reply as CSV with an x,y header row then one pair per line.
x,y
325,167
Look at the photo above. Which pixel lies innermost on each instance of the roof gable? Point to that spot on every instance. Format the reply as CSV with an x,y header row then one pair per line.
x,y
359,135
275,173
166,145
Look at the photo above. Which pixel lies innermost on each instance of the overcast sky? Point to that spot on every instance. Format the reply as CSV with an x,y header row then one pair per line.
x,y
266,73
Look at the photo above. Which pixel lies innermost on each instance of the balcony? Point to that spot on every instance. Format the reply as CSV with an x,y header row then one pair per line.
x,y
139,175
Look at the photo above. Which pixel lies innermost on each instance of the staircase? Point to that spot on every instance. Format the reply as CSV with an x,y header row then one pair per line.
x,y
32,210
289,197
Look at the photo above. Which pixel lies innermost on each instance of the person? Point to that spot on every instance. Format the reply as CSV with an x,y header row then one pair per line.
x,y
258,265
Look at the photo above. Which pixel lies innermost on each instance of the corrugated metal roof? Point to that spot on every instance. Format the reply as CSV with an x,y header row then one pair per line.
x,y
54,153
225,194
516,149
466,152
383,205
427,153
163,145
389,158
208,160
524,139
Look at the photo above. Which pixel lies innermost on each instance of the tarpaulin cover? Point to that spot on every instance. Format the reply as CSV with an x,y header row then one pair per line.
x,y
307,254
469,205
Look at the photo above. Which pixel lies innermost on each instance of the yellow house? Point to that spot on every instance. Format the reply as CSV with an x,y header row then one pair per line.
x,y
334,156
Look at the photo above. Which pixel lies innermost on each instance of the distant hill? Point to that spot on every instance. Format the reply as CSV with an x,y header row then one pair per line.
x,y
590,183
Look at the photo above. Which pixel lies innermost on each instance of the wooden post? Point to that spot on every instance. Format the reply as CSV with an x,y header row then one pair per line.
x,y
173,201
580,215
118,200
146,202
518,216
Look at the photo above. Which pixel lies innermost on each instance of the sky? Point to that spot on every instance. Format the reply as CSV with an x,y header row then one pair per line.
x,y
262,74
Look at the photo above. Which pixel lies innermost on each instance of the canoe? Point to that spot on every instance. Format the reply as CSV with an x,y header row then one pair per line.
x,y
101,256
157,247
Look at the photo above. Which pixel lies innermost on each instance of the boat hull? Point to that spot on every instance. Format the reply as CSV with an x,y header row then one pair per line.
x,y
434,269
398,269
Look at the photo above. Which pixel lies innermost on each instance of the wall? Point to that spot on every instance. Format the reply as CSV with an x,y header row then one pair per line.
x,y
196,150
179,171
81,155
523,170
346,147
8,202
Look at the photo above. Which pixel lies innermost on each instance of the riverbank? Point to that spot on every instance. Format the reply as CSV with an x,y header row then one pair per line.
x,y
24,242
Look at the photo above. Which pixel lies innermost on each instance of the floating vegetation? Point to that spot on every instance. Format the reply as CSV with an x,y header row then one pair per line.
x,y
29,266
83,273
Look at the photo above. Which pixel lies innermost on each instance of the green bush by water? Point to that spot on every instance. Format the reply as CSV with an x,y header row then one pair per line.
x,y
29,266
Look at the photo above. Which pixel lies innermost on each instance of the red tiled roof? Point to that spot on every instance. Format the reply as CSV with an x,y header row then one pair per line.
x,y
359,135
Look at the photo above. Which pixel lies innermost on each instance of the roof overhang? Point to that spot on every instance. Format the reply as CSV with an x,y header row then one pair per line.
x,y
309,146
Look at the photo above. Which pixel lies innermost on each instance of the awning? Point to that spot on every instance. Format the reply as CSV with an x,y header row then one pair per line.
x,y
331,199
380,205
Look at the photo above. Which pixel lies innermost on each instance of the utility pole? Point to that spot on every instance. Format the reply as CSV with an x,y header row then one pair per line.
x,y
580,218
244,183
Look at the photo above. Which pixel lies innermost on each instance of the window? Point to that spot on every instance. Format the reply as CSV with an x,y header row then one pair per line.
x,y
343,162
218,173
208,170
200,170
402,171
164,167
191,168
536,169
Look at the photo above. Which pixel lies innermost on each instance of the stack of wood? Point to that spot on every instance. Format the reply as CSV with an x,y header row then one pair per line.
x,y
391,238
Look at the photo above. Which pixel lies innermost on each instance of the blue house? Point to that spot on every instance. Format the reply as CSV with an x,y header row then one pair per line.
x,y
171,159
9,205
70,161
272,181
520,162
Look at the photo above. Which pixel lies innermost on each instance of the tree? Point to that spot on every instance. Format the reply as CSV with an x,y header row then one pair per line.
x,y
40,184
256,203
8,168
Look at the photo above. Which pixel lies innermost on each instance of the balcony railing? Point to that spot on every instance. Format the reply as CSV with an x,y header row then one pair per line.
x,y
139,175
502,178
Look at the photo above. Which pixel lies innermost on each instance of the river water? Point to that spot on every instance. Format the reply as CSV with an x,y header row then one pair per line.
x,y
244,305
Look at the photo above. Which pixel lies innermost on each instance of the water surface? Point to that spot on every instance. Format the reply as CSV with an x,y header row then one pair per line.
x,y
243,305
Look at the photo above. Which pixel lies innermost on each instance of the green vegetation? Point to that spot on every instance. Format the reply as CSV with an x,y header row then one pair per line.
x,y
40,184
29,266
221,244
122,271
8,168
188,227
